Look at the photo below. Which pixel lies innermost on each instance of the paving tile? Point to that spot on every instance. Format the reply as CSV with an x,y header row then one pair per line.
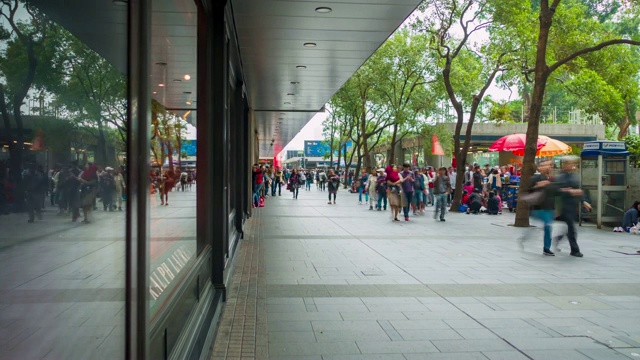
x,y
372,315
557,354
364,357
419,324
447,356
396,347
505,355
373,334
291,336
471,345
302,349
526,343
434,334
476,334
603,354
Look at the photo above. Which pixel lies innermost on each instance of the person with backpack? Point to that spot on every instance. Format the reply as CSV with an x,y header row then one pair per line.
x,y
362,186
278,180
381,190
323,180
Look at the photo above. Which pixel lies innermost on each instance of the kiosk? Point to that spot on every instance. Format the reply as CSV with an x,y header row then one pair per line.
x,y
603,176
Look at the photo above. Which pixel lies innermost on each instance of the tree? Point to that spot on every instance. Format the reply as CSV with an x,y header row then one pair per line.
x,y
467,69
94,90
403,70
553,52
21,65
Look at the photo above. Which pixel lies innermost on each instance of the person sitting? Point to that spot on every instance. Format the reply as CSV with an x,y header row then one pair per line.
x,y
630,217
475,202
493,204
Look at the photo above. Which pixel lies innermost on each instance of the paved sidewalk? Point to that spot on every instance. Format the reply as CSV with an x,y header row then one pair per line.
x,y
343,282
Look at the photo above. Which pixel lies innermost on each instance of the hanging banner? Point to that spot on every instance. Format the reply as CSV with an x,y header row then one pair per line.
x,y
436,148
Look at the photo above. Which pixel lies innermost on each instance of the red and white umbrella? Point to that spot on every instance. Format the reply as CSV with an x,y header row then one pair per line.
x,y
515,142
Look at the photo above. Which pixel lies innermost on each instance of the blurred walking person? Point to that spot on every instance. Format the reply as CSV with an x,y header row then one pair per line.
x,y
572,197
373,193
541,197
441,190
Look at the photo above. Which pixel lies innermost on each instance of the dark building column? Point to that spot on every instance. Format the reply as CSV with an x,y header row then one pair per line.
x,y
240,147
137,231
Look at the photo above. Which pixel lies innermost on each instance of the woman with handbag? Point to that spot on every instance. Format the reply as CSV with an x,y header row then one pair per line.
x,y
333,183
541,197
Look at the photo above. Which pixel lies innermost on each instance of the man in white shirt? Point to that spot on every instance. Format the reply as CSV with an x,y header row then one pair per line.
x,y
452,176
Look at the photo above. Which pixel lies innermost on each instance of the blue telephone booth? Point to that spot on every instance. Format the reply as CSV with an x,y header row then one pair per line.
x,y
603,174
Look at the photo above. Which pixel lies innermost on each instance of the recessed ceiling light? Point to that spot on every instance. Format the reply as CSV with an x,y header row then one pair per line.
x,y
295,82
287,103
161,63
291,94
324,10
310,44
155,92
188,102
187,77
161,85
301,67
177,80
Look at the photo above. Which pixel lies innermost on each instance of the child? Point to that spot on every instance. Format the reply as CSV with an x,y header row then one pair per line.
x,y
493,206
393,176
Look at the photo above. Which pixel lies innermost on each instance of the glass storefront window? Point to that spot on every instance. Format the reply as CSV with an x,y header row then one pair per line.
x,y
63,104
174,176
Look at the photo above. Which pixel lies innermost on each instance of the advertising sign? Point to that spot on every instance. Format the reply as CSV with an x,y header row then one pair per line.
x,y
315,148
189,147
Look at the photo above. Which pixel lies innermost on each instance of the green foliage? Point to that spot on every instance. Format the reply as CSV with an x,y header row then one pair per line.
x,y
633,146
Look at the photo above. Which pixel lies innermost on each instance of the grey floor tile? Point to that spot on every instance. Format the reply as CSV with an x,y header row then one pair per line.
x,y
291,336
396,347
526,343
419,324
476,334
289,325
471,345
364,357
330,336
463,324
556,354
505,355
603,354
372,315
433,334
447,356
302,349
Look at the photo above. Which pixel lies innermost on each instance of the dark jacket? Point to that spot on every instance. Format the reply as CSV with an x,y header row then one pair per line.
x,y
447,184
549,192
570,203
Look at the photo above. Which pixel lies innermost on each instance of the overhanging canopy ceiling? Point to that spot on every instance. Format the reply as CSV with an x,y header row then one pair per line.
x,y
272,34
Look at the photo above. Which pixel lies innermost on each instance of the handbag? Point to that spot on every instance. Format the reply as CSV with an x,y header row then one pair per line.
x,y
532,198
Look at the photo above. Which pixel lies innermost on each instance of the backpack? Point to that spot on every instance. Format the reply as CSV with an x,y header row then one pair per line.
x,y
323,177
419,183
303,177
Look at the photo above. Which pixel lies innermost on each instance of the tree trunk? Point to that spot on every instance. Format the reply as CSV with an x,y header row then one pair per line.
x,y
392,153
540,83
626,123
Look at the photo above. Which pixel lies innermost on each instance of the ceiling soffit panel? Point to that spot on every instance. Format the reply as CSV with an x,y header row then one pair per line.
x,y
272,34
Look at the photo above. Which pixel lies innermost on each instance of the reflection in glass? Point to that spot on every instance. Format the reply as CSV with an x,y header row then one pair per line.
x,y
62,169
174,176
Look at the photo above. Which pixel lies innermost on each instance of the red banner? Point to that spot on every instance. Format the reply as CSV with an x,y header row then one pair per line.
x,y
436,148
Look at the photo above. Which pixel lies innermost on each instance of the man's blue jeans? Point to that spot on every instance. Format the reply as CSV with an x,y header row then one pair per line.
x,y
441,205
382,196
256,194
546,216
408,197
360,192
